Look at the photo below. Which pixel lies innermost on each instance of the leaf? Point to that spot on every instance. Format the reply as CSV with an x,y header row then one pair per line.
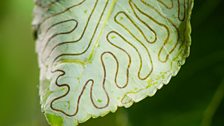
x,y
95,56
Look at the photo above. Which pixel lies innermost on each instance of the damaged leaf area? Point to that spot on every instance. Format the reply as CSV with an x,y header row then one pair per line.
x,y
98,55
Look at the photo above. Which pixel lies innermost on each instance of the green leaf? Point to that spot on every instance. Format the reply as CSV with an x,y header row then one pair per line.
x,y
98,55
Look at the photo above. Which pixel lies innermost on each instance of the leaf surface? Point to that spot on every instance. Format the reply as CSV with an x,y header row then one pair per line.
x,y
97,55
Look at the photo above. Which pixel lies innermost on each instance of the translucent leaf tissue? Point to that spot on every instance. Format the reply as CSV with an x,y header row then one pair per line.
x,y
98,55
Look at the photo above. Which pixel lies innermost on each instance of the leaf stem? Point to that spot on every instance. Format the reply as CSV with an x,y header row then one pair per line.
x,y
214,105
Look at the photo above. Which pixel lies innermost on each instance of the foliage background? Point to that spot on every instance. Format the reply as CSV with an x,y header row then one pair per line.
x,y
193,98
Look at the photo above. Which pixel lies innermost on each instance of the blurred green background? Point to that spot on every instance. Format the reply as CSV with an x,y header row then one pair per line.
x,y
193,98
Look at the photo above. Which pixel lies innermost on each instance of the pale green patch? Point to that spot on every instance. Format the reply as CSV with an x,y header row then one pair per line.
x,y
54,120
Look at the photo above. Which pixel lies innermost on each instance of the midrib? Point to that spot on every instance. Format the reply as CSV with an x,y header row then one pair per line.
x,y
96,43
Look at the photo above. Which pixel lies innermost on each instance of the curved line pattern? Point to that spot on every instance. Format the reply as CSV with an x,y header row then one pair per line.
x,y
139,29
164,4
133,5
139,55
129,61
58,34
116,74
86,49
137,11
179,8
56,14
64,95
179,11
165,42
77,40
88,80
150,59
103,83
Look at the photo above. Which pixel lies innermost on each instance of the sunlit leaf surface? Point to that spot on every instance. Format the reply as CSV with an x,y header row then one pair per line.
x,y
97,55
